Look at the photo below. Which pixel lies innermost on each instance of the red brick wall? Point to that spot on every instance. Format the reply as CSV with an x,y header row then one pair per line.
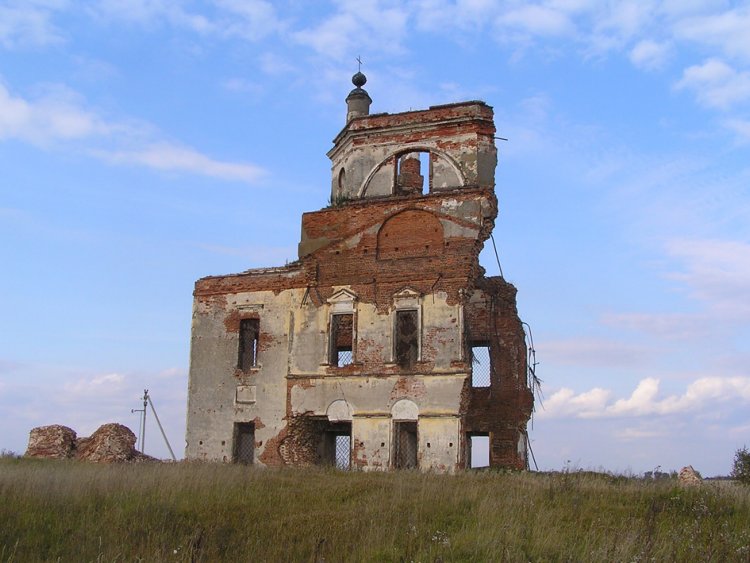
x,y
379,247
503,408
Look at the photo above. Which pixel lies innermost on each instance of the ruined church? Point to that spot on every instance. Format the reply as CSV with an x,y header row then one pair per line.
x,y
384,346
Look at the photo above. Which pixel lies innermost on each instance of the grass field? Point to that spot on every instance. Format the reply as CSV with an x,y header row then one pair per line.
x,y
73,511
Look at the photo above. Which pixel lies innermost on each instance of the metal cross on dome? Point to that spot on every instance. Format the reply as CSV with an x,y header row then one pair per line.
x,y
359,63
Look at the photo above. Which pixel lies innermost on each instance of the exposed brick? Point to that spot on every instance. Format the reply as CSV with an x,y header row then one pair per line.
x,y
375,246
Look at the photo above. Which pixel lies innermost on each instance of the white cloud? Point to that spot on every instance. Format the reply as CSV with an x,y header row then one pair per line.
x,y
639,433
700,393
678,8
572,6
536,108
149,12
739,432
172,372
727,30
616,25
249,19
716,272
646,31
565,403
273,64
716,84
439,15
601,26
740,126
536,20
715,275
375,25
28,23
169,157
649,55
55,117
106,384
713,70
706,393
131,10
638,403
43,395
7,366
60,116
626,19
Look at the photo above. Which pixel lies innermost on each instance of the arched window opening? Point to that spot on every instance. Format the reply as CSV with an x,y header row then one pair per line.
x,y
409,177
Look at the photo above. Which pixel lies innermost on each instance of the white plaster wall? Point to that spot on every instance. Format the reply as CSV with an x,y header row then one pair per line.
x,y
441,330
443,174
373,437
439,443
433,394
213,379
359,162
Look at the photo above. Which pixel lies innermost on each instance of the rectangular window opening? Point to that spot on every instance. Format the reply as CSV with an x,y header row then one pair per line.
x,y
405,445
481,366
342,337
407,338
409,178
248,352
337,446
479,450
342,451
244,443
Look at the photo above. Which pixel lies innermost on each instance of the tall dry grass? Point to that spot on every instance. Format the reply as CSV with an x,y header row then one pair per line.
x,y
70,511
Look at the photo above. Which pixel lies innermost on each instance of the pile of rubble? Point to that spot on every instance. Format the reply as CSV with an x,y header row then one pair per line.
x,y
111,443
689,477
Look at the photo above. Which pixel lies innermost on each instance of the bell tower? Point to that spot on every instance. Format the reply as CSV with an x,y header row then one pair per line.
x,y
413,153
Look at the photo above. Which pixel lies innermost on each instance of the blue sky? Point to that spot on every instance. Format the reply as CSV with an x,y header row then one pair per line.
x,y
147,143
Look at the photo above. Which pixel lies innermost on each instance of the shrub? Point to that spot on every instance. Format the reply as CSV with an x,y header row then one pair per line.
x,y
741,467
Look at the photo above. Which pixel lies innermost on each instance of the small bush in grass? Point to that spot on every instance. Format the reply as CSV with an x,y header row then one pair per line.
x,y
741,467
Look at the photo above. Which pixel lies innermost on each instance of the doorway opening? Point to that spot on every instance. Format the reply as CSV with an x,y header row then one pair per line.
x,y
244,443
336,445
405,445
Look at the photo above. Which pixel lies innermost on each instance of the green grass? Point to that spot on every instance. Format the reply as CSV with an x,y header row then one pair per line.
x,y
73,511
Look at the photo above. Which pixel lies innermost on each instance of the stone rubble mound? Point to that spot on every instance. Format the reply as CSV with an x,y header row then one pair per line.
x,y
52,442
689,476
111,443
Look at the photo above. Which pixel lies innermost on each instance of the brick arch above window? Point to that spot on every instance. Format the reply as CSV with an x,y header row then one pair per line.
x,y
450,174
409,234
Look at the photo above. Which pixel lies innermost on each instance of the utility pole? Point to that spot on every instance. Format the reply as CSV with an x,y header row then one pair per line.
x,y
143,436
142,419
156,416
142,422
